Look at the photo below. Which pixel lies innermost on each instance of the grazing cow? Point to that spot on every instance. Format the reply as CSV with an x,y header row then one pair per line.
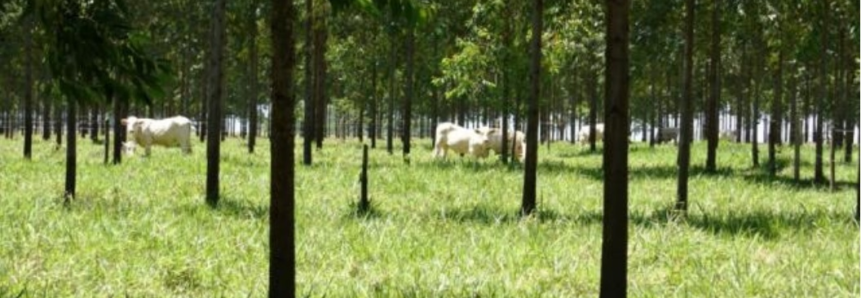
x,y
583,134
666,134
167,132
460,140
494,137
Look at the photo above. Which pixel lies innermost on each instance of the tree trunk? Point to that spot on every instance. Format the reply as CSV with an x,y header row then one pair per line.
x,y
794,131
712,105
282,250
372,130
529,177
119,132
94,123
46,117
28,89
408,94
774,131
71,151
818,174
686,110
320,37
58,124
593,110
216,87
252,110
308,122
614,248
390,117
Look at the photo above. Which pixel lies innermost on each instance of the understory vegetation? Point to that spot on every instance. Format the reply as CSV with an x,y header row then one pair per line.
x,y
437,228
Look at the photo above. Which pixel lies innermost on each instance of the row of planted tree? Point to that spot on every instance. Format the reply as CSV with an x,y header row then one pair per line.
x,y
396,62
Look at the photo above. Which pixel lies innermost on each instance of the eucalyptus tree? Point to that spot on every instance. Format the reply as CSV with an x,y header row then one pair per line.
x,y
686,110
614,247
92,50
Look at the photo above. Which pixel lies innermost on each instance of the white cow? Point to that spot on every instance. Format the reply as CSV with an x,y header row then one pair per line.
x,y
666,134
494,137
167,132
583,134
460,140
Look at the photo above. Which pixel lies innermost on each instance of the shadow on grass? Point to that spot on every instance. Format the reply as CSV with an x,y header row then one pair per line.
x,y
241,209
761,224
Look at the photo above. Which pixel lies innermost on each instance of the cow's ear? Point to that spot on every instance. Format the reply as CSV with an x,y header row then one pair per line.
x,y
124,121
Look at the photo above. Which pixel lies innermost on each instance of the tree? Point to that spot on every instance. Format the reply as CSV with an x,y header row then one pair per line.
x,y
308,120
282,255
614,249
252,109
408,92
686,107
89,51
818,174
28,87
714,98
215,83
531,162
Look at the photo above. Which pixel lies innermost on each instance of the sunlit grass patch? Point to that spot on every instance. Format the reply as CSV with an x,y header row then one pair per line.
x,y
437,228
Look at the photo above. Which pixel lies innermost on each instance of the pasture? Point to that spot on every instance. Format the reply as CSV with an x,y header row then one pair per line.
x,y
438,229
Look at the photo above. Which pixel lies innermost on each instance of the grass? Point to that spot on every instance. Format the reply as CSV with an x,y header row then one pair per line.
x,y
142,229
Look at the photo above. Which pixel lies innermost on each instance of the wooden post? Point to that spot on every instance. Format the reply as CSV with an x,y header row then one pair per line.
x,y
364,203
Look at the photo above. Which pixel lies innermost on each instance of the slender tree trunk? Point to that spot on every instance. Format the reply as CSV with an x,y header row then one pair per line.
x,y
252,110
71,151
390,117
119,132
28,89
593,111
795,133
308,122
686,110
849,136
216,87
774,131
320,74
204,108
58,124
282,249
614,248
372,130
94,123
46,118
818,174
408,94
529,177
712,105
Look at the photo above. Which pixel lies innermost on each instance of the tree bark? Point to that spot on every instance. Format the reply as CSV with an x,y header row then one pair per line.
x,y
216,87
614,248
320,74
714,76
686,110
254,89
818,174
282,250
776,111
28,89
529,177
390,117
408,94
71,151
308,122
119,132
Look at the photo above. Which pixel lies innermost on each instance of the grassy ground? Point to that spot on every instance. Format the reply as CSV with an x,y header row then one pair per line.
x,y
439,228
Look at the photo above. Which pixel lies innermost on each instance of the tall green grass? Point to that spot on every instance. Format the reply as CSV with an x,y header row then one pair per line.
x,y
447,228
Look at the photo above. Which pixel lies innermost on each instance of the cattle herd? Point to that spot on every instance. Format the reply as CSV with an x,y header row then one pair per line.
x,y
176,131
